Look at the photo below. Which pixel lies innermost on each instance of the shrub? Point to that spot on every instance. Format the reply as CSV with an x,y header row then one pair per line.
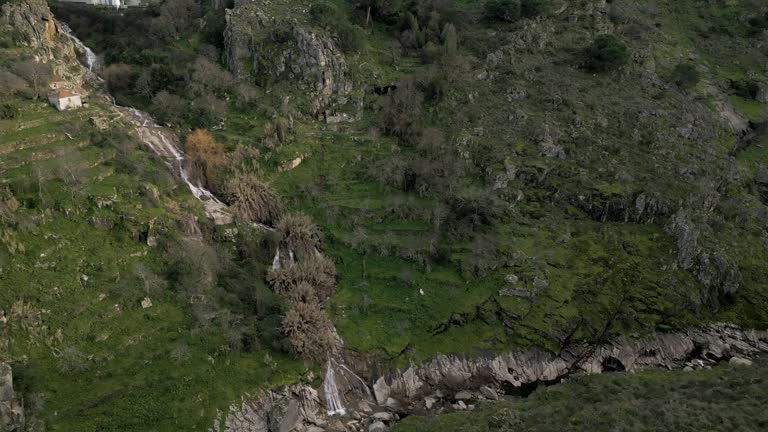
x,y
758,24
533,8
9,110
606,52
686,75
299,234
253,200
309,331
503,10
72,359
205,156
350,38
318,272
324,14
748,89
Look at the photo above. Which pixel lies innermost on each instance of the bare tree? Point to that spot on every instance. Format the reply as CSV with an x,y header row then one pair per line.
x,y
253,200
37,74
309,331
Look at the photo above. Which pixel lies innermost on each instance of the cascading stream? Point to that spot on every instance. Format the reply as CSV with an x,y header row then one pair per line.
x,y
159,139
162,141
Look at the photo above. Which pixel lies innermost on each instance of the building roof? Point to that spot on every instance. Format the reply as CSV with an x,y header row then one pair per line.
x,y
60,94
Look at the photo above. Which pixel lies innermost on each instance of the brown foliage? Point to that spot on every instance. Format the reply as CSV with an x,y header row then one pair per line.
x,y
253,200
205,156
318,272
309,330
299,234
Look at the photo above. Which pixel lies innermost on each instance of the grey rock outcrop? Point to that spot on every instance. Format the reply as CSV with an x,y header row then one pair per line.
x,y
11,409
285,410
712,267
300,408
667,351
31,22
268,50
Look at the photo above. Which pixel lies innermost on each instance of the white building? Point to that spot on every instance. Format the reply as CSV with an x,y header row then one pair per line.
x,y
64,100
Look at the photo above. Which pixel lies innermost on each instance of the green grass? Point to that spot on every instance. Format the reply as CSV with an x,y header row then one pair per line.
x,y
722,399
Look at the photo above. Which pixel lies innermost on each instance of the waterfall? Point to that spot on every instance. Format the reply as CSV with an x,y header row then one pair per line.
x,y
332,397
91,60
151,133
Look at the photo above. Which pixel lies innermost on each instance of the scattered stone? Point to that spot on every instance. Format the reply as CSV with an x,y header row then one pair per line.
x,y
470,407
489,393
740,361
461,406
687,369
364,407
314,429
463,395
511,279
384,416
516,292
392,403
377,426
429,402
146,303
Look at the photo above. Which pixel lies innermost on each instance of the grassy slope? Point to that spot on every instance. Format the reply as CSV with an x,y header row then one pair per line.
x,y
725,398
378,306
50,246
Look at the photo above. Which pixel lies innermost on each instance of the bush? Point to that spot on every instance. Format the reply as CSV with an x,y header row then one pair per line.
x,y
350,38
533,8
758,24
686,75
606,52
9,110
318,272
748,89
299,234
309,330
503,10
324,14
253,200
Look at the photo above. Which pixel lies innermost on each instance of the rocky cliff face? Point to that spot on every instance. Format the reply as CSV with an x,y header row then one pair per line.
x,y
268,50
451,382
31,24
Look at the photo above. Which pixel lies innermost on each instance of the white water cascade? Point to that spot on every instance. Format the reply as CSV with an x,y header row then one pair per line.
x,y
91,60
161,140
333,401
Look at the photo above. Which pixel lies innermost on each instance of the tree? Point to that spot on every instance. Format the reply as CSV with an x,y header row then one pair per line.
x,y
309,330
606,52
253,200
205,156
686,75
299,234
37,74
118,76
11,84
533,8
503,10
318,272
212,76
168,107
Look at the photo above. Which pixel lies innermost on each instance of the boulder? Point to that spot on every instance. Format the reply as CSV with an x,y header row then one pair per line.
x,y
463,395
489,393
377,426
740,361
384,416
